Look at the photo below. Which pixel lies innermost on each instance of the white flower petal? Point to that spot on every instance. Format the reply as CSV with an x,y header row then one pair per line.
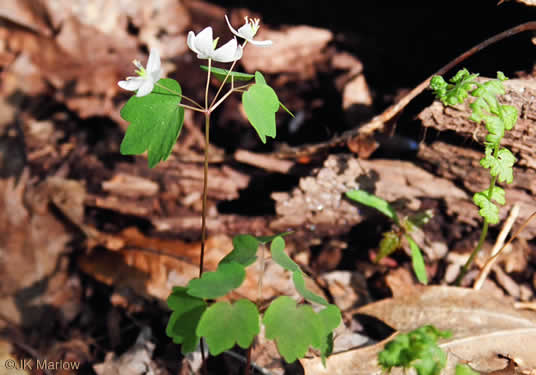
x,y
231,27
261,43
246,32
190,41
203,42
228,52
146,88
131,83
153,64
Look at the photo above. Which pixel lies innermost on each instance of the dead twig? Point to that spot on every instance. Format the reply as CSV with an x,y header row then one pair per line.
x,y
491,261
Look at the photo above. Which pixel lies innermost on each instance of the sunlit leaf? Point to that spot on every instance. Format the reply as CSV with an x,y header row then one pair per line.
x,y
244,251
293,328
155,122
216,284
417,261
363,197
261,103
223,325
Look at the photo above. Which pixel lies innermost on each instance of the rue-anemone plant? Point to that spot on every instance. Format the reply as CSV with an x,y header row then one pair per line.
x,y
156,115
498,119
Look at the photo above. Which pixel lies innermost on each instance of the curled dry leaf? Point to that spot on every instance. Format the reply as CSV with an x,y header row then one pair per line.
x,y
483,328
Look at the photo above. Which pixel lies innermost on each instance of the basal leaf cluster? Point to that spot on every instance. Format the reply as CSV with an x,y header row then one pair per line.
x,y
294,327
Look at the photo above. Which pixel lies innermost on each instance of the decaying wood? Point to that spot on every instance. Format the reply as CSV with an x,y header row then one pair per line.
x,y
460,163
520,140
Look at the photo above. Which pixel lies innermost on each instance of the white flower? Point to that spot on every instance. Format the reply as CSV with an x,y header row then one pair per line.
x,y
205,47
248,31
146,79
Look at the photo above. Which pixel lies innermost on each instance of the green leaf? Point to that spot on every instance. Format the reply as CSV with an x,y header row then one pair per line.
x,y
373,201
155,122
494,125
299,284
465,370
331,318
280,257
265,239
293,328
506,161
417,349
509,116
498,194
220,74
184,319
216,284
223,325
417,261
500,166
259,78
244,251
389,244
261,103
478,107
488,209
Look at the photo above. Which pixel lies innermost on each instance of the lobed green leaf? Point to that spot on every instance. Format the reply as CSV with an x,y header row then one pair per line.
x,y
186,314
509,116
228,276
280,257
223,325
265,239
488,209
155,122
293,328
299,284
417,349
497,195
261,103
244,251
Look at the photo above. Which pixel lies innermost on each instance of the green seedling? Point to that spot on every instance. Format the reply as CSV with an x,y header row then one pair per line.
x,y
417,349
498,119
394,239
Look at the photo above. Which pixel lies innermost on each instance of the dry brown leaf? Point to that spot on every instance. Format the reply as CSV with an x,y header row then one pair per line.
x,y
27,13
483,327
32,237
152,266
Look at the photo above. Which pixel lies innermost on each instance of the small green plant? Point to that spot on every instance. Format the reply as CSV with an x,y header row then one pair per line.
x,y
498,119
294,327
156,116
393,239
417,349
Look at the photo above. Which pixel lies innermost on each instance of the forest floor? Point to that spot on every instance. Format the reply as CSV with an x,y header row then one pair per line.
x,y
92,241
